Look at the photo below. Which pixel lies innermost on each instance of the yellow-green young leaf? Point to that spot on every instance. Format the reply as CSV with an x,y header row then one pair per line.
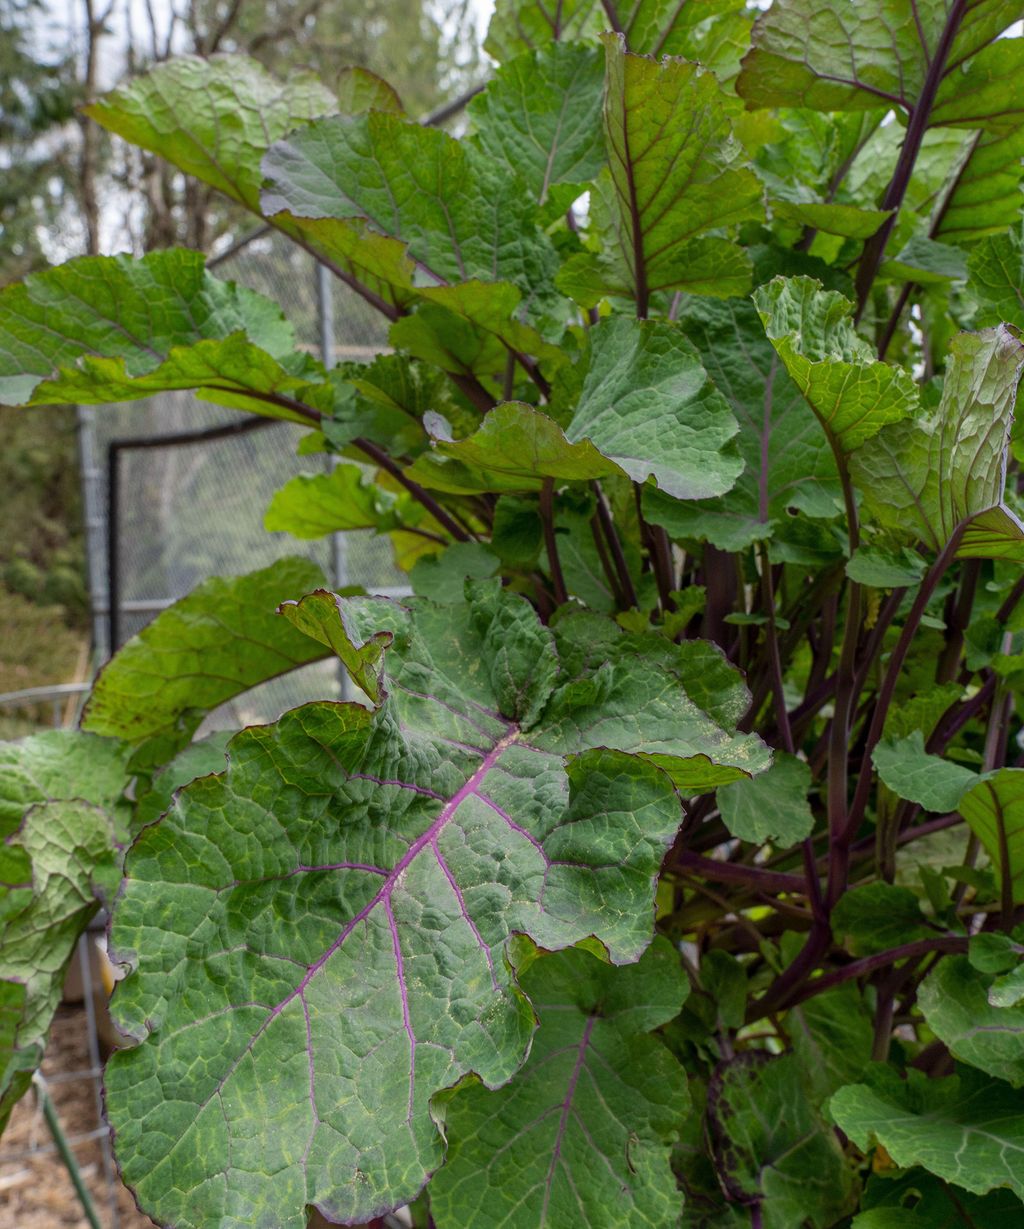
x,y
515,448
647,404
583,1133
955,1001
923,477
847,220
360,90
314,505
967,1129
109,328
354,953
212,645
676,170
540,117
787,461
853,394
982,192
770,1146
994,809
837,56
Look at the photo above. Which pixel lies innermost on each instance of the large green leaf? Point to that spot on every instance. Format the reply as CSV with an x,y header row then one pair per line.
x,y
772,806
853,395
540,117
967,1129
212,645
878,916
924,477
109,328
982,194
954,999
676,171
771,1147
583,1133
647,404
995,811
69,846
836,56
459,213
831,1034
787,460
213,119
910,772
515,448
331,916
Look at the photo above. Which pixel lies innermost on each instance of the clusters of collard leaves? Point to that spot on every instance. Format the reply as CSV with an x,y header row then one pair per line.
x,y
670,870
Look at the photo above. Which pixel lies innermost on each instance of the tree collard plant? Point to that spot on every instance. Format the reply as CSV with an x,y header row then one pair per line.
x,y
670,870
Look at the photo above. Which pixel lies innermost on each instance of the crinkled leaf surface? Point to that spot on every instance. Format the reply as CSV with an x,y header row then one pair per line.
x,y
323,928
910,772
994,809
69,845
930,473
455,209
213,118
787,460
109,328
769,1145
772,806
954,999
47,767
360,90
676,168
648,404
540,117
967,1129
583,1133
837,56
219,641
515,448
853,394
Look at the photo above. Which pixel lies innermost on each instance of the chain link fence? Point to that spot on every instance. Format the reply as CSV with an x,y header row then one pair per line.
x,y
176,488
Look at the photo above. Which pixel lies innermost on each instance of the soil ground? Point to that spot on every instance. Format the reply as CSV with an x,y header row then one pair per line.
x,y
35,1190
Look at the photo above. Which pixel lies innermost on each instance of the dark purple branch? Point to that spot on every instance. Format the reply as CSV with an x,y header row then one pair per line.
x,y
381,458
917,125
945,944
615,546
547,517
753,877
